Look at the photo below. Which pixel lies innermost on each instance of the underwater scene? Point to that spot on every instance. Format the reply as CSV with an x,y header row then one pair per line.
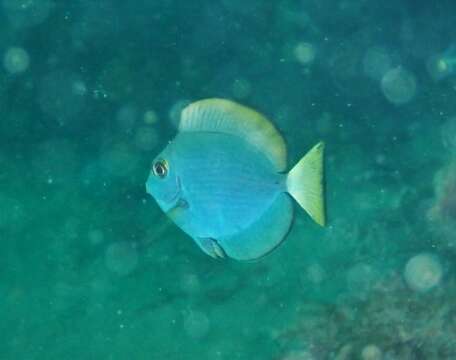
x,y
266,180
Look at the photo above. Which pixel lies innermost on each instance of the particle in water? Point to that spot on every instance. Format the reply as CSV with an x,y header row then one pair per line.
x,y
398,85
16,60
423,272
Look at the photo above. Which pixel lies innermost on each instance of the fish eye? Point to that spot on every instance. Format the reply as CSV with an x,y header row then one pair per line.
x,y
160,168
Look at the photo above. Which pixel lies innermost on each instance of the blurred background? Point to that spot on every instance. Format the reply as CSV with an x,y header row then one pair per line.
x,y
90,91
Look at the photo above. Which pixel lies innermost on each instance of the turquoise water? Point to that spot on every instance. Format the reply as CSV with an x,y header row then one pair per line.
x,y
91,91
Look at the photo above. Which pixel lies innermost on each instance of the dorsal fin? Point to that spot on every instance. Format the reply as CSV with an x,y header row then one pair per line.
x,y
219,115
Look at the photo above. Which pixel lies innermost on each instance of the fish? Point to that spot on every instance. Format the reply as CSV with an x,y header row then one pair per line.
x,y
223,180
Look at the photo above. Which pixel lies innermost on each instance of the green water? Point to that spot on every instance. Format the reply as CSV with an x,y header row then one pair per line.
x,y
91,91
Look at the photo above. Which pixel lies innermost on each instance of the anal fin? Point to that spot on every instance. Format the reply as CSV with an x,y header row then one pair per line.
x,y
262,236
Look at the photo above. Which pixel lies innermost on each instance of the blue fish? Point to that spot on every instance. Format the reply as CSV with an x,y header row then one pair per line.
x,y
223,180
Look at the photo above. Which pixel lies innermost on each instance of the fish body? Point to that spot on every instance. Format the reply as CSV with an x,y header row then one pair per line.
x,y
222,181
222,173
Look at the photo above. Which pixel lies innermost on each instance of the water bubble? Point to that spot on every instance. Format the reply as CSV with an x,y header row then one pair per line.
x,y
16,60
423,272
121,258
146,138
26,13
304,53
196,324
398,85
376,62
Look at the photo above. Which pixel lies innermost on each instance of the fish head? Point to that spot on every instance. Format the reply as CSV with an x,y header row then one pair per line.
x,y
163,182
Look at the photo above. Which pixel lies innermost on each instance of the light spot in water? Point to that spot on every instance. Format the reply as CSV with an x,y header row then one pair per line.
x,y
304,53
150,117
16,60
371,352
423,272
398,85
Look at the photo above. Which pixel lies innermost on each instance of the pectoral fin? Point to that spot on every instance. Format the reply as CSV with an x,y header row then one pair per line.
x,y
211,247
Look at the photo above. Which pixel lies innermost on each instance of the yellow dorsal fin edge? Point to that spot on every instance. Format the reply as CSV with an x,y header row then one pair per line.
x,y
225,116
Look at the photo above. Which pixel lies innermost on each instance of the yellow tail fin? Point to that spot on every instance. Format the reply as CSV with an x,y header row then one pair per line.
x,y
305,183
